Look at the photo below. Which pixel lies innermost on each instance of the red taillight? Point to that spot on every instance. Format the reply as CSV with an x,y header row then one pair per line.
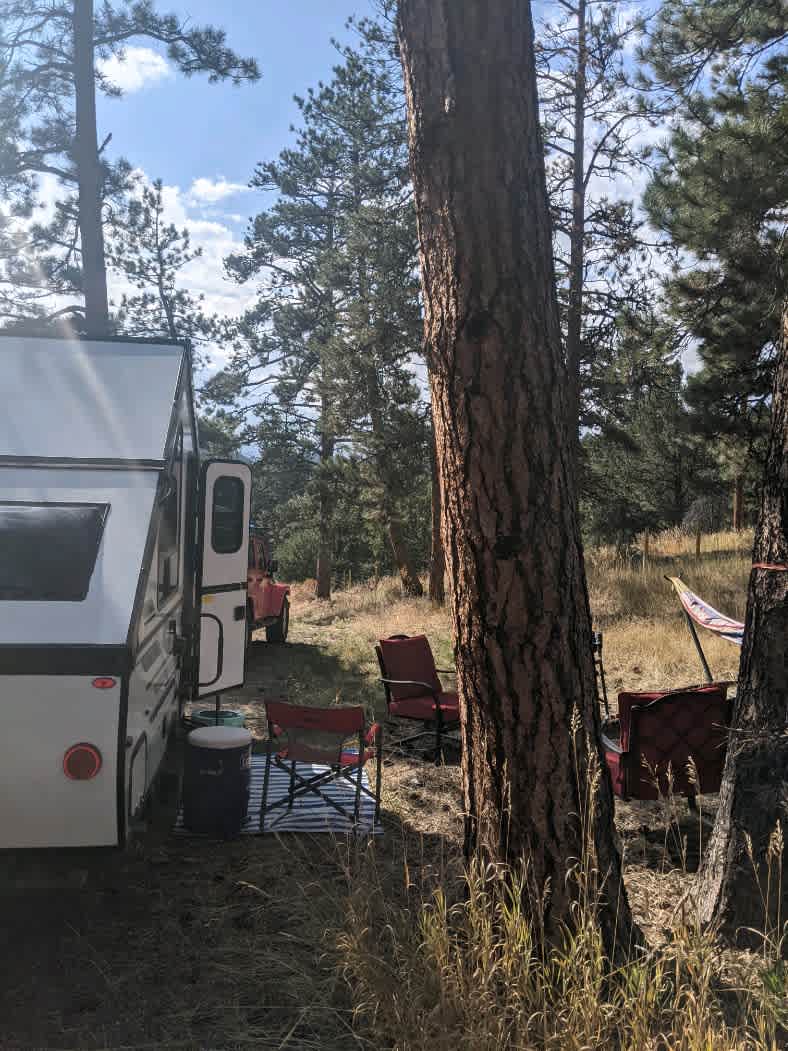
x,y
81,762
104,683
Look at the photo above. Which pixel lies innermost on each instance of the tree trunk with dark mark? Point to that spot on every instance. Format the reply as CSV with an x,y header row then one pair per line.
x,y
519,603
754,791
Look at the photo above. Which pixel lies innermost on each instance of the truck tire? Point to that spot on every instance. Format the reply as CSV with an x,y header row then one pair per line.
x,y
277,632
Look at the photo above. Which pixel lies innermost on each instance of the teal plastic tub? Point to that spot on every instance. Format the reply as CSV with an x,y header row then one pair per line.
x,y
207,717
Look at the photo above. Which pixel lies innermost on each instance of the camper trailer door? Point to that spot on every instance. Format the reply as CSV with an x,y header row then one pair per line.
x,y
226,505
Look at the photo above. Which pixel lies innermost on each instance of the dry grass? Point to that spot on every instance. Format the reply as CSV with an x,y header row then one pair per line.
x,y
431,966
465,968
223,946
647,644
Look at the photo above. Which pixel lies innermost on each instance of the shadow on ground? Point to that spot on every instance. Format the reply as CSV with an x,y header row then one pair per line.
x,y
188,944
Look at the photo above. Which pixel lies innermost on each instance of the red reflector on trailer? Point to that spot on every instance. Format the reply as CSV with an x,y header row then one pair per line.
x,y
104,683
81,762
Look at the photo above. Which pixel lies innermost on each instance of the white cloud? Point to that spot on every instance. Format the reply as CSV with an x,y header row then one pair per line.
x,y
213,190
135,68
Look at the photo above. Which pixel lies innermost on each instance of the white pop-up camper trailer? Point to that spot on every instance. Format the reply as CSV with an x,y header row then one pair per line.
x,y
123,569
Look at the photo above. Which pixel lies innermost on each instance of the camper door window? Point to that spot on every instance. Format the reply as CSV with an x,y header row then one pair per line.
x,y
227,519
48,551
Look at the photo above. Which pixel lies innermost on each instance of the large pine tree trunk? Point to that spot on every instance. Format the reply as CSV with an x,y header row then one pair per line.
x,y
754,792
437,585
574,327
86,158
519,603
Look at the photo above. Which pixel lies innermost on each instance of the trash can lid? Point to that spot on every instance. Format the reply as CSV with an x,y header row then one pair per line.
x,y
220,737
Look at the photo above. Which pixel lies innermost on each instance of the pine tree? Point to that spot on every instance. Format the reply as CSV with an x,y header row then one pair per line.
x,y
49,76
591,117
519,603
752,808
151,254
719,196
725,61
283,358
645,472
338,314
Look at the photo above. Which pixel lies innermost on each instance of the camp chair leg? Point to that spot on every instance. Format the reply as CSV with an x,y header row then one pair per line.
x,y
378,779
313,785
398,742
359,773
291,791
266,781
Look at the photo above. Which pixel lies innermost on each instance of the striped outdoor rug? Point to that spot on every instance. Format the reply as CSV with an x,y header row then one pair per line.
x,y
310,813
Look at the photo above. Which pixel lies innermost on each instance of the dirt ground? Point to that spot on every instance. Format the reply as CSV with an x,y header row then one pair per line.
x,y
185,944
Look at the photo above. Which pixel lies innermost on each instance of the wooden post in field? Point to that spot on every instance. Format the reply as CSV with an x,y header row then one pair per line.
x,y
697,543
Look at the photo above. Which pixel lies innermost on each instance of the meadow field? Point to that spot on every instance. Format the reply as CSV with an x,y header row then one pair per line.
x,y
305,942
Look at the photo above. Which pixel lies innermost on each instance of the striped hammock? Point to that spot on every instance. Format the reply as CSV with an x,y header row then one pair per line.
x,y
706,616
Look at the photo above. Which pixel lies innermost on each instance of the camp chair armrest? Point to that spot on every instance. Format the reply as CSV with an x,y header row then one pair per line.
x,y
428,688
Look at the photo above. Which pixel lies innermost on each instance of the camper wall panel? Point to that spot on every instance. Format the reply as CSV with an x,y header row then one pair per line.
x,y
152,708
42,717
81,400
104,615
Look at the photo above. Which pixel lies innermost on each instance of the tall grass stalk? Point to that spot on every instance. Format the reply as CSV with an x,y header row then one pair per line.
x,y
466,967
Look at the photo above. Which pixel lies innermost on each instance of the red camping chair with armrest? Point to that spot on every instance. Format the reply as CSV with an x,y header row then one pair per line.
x,y
319,737
413,689
662,729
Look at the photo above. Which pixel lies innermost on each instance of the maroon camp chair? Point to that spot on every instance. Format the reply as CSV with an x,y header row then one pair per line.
x,y
414,691
334,739
668,728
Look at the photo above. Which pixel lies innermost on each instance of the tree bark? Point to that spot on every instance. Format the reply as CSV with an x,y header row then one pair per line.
x,y
754,791
86,159
326,510
437,584
519,603
574,327
403,558
738,503
411,584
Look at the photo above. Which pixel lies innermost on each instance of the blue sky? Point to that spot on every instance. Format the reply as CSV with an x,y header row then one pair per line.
x,y
203,140
179,128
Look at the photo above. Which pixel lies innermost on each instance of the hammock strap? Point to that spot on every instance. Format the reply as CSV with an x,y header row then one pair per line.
x,y
770,566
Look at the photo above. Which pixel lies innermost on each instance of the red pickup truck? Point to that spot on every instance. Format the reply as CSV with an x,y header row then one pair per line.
x,y
267,603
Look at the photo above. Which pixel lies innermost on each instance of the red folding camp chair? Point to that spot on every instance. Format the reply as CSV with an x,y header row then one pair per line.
x,y
320,736
660,729
413,689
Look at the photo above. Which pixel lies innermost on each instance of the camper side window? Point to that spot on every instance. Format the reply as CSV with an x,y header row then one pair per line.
x,y
227,528
169,529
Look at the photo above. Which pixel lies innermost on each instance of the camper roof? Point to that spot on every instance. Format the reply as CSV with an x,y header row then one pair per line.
x,y
72,399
